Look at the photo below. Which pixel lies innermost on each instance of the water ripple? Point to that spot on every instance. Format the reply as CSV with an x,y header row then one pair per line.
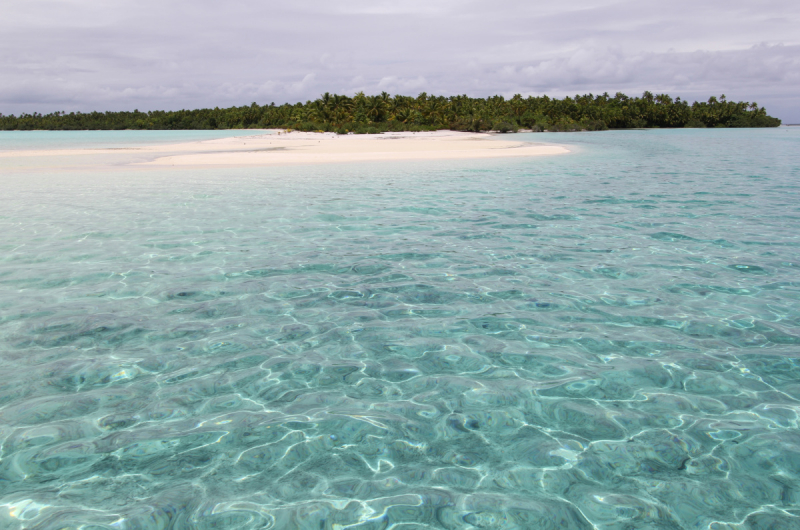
x,y
583,342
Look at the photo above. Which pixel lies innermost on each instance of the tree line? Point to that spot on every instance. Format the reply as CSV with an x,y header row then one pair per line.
x,y
384,112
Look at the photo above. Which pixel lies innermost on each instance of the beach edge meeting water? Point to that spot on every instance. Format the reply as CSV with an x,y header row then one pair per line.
x,y
288,148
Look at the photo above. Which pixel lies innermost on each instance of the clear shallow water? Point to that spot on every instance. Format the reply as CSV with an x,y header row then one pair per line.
x,y
35,140
609,339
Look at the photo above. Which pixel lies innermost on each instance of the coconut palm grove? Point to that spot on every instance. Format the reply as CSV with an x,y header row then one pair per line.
x,y
380,113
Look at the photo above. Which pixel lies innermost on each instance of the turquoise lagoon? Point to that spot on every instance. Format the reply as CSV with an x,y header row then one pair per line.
x,y
608,339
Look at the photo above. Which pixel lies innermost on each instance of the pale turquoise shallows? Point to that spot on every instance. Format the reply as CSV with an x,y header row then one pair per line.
x,y
608,339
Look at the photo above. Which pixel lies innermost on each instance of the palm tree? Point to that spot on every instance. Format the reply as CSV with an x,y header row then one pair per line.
x,y
375,108
405,115
320,112
326,99
434,111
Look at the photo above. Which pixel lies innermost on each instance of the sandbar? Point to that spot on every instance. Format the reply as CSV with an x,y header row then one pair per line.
x,y
278,148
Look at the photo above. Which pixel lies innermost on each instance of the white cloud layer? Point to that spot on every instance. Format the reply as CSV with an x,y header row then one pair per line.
x,y
147,54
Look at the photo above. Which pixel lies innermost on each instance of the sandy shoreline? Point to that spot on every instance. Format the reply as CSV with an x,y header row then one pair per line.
x,y
298,148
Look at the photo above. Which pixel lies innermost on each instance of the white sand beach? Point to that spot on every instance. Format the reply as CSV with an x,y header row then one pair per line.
x,y
295,148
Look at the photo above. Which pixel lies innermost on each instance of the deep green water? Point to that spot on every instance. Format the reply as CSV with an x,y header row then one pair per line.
x,y
608,339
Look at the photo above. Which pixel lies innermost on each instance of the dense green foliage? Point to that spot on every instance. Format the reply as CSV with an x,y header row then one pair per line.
x,y
372,114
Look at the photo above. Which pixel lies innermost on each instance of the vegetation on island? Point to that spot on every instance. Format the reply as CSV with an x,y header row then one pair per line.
x,y
381,113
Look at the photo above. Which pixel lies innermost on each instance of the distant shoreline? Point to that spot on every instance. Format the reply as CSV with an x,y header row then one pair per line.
x,y
362,114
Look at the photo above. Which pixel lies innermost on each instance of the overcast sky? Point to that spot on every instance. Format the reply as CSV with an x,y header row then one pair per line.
x,y
171,54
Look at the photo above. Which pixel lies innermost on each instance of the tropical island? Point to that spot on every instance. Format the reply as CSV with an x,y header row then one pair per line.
x,y
364,114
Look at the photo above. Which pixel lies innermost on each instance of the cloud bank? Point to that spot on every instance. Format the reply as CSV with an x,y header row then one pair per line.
x,y
96,55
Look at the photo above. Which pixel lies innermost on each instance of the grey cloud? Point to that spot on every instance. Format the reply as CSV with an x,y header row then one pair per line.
x,y
89,54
